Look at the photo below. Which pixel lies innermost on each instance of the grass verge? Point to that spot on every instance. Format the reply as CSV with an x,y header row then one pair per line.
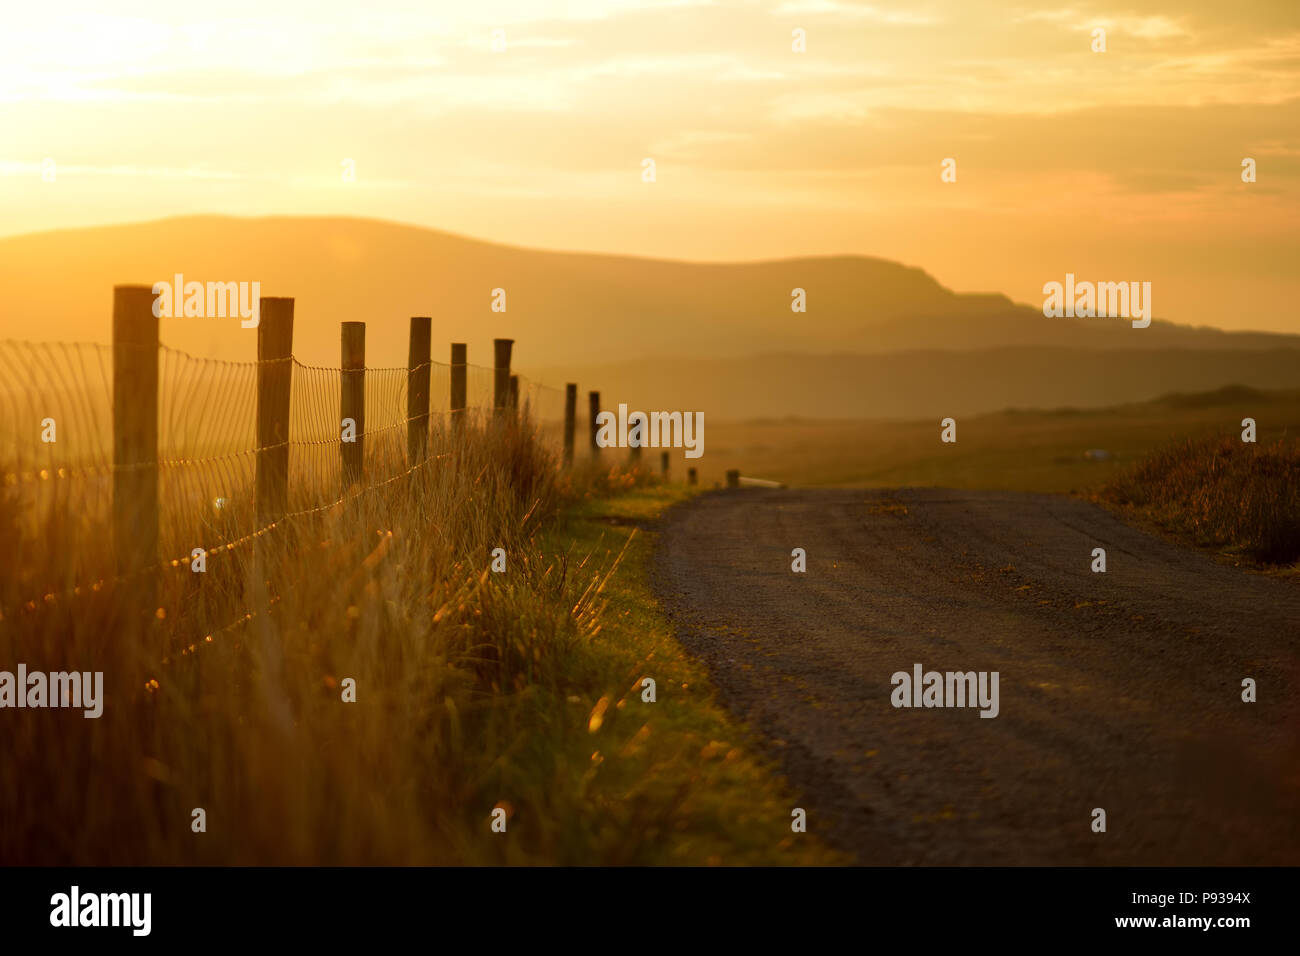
x,y
670,782
1238,498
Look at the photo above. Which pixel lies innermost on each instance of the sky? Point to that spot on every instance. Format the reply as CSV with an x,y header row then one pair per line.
x,y
1122,165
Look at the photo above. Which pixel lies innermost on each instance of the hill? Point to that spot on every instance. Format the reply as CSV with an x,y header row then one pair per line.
x,y
564,308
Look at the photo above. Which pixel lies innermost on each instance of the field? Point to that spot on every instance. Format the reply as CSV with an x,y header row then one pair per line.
x,y
1012,450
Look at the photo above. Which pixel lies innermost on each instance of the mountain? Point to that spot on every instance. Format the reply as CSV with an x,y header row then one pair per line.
x,y
879,339
562,308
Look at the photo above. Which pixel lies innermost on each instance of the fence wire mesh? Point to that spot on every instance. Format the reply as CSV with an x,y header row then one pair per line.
x,y
57,450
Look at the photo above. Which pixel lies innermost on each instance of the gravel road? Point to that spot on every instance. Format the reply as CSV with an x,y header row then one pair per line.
x,y
1119,690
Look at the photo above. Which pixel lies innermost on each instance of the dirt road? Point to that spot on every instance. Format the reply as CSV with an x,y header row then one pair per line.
x,y
1119,690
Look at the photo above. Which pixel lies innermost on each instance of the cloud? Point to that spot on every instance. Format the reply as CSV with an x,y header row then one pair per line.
x,y
1148,28
15,167
852,11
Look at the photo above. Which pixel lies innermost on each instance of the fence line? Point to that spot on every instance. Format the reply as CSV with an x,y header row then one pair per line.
x,y
166,451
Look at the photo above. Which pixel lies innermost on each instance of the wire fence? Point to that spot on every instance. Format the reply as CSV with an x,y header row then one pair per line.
x,y
57,466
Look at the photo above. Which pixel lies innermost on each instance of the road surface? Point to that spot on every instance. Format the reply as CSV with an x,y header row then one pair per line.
x,y
1119,690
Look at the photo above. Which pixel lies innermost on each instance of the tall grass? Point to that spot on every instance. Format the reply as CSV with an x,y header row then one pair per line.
x,y
230,698
1221,492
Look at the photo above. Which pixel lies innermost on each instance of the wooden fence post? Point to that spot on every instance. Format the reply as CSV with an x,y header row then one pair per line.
x,y
593,408
418,355
733,477
501,383
459,356
692,477
663,463
514,393
570,420
135,435
352,400
274,380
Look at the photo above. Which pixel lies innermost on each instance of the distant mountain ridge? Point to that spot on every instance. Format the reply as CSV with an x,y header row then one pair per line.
x,y
562,308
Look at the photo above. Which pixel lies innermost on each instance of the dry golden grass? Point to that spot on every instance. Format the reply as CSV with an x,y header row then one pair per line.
x,y
390,588
473,689
1221,492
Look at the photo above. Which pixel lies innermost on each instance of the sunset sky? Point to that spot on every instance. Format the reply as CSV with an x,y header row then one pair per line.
x,y
1123,165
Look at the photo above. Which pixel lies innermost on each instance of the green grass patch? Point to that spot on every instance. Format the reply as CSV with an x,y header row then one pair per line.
x,y
676,781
